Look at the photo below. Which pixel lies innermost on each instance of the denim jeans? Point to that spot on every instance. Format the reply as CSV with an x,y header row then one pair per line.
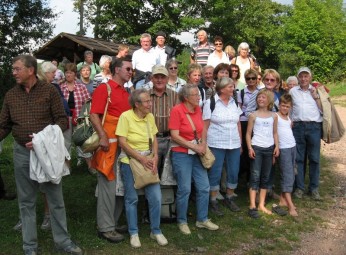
x,y
261,167
308,136
185,169
232,158
152,194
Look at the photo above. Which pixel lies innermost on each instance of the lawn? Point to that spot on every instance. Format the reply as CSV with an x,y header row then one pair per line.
x,y
268,235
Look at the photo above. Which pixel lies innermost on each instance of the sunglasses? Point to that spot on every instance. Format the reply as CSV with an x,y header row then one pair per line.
x,y
251,78
129,69
173,68
270,80
218,44
235,71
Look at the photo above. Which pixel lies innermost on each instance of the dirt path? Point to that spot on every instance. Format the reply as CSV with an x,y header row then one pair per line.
x,y
330,238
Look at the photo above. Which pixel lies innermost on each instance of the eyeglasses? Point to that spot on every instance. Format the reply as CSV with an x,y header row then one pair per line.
x,y
129,69
235,71
17,69
173,68
147,101
218,44
251,78
270,80
195,95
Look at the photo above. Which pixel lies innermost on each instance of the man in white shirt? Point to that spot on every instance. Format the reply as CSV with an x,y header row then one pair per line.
x,y
307,130
165,52
143,61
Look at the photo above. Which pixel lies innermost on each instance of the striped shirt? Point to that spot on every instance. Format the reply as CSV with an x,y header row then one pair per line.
x,y
200,53
161,107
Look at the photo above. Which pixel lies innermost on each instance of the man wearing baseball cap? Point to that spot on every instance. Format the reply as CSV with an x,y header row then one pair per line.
x,y
164,51
307,130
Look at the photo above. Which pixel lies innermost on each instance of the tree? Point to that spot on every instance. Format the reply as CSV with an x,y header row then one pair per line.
x,y
254,22
314,36
124,21
24,25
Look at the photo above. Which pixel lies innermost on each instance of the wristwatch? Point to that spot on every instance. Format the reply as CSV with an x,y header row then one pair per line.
x,y
317,97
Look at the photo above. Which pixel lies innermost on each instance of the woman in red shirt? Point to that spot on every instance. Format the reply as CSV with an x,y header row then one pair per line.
x,y
185,158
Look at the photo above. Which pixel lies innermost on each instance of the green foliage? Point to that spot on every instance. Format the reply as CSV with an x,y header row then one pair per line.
x,y
254,22
125,21
315,35
24,26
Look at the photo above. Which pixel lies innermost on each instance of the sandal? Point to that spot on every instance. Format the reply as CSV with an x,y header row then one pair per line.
x,y
278,210
253,213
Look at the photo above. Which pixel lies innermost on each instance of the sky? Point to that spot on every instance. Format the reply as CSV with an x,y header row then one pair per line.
x,y
68,20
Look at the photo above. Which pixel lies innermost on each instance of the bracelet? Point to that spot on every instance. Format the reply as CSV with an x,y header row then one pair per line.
x,y
318,97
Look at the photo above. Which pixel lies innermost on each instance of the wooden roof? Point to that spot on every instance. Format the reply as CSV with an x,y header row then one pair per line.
x,y
73,46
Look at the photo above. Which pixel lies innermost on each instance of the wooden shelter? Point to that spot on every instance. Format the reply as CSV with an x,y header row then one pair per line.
x,y
73,46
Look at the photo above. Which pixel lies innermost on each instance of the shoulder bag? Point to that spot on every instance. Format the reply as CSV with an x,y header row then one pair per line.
x,y
84,134
208,158
142,175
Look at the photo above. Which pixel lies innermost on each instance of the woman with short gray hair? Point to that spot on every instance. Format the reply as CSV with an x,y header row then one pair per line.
x,y
136,131
190,143
243,60
221,122
105,74
291,82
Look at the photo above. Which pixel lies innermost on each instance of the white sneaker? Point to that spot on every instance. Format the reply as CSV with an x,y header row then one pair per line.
x,y
207,224
134,241
160,239
184,228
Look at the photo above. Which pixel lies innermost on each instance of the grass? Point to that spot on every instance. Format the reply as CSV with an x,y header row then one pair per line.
x,y
268,235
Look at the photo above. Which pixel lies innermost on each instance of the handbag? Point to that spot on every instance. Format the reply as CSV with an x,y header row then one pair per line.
x,y
208,158
84,134
142,175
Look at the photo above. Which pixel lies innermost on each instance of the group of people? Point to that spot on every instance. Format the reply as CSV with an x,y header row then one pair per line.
x,y
243,116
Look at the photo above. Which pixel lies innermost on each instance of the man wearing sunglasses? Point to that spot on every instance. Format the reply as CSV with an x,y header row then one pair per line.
x,y
105,157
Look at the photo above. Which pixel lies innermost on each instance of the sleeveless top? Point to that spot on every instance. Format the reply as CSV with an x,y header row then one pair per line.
x,y
286,138
263,132
242,68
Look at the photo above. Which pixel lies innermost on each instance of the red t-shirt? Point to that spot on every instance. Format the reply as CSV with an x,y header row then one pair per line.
x,y
119,99
179,121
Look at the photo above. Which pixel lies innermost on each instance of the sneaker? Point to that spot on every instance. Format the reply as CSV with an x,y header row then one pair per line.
x,y
253,213
315,195
214,208
207,224
184,228
134,241
231,205
18,226
298,193
111,236
30,252
46,222
219,196
160,239
72,249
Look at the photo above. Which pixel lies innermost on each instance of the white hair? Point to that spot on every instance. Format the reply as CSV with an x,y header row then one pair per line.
x,y
243,45
292,78
48,67
104,59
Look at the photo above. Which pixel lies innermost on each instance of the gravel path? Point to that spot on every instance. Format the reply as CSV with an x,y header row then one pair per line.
x,y
330,238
